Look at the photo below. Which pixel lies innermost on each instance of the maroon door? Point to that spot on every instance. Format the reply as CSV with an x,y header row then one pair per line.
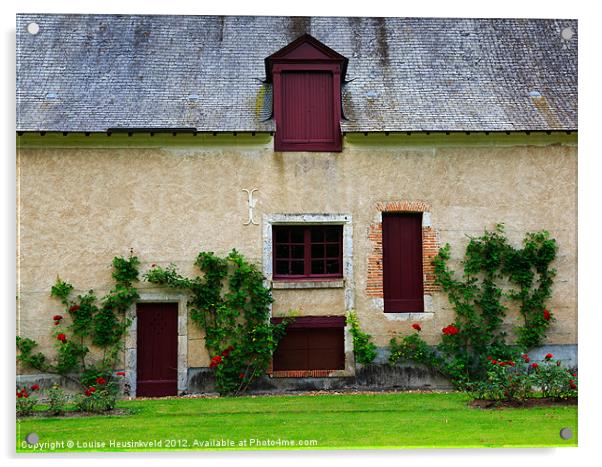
x,y
402,262
157,356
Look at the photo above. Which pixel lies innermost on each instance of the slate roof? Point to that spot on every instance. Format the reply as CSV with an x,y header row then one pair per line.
x,y
94,72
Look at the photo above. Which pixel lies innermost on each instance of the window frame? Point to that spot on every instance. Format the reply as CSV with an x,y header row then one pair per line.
x,y
307,256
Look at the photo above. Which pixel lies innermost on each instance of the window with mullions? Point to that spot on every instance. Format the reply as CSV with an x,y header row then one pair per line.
x,y
308,251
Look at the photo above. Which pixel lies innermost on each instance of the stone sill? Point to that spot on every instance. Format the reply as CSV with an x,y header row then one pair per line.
x,y
309,284
310,373
424,316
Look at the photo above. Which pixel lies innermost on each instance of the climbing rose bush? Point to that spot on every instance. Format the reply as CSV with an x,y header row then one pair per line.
x,y
215,361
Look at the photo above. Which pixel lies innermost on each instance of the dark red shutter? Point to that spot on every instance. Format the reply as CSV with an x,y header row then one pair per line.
x,y
319,346
402,262
308,107
157,349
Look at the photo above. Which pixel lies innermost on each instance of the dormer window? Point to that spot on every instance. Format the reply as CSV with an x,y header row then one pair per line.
x,y
307,76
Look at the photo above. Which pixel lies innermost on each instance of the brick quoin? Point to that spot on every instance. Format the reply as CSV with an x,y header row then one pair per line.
x,y
430,248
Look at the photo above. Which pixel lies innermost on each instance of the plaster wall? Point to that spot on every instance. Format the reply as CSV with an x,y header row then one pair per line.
x,y
78,207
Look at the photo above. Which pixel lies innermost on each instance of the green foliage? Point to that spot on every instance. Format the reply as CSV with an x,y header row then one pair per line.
x,y
26,405
363,348
82,319
554,380
61,290
125,271
26,356
101,324
238,334
480,305
69,354
57,400
412,347
505,381
102,399
517,381
528,269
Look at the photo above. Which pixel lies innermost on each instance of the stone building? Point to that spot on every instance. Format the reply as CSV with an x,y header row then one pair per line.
x,y
307,144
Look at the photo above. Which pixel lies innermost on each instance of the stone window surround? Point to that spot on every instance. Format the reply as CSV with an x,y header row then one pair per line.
x,y
430,245
347,283
131,345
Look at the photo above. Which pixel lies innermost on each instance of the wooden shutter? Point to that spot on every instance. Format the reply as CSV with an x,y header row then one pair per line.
x,y
307,109
402,262
320,346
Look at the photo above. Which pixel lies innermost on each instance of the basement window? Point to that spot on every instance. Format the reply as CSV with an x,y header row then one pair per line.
x,y
311,343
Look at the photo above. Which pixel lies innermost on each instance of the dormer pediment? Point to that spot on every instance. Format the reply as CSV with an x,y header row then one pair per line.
x,y
304,49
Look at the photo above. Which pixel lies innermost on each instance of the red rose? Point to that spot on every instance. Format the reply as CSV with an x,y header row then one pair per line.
x,y
575,374
511,363
526,358
35,387
572,385
450,330
417,327
56,323
241,376
90,391
61,337
534,366
489,358
546,315
120,373
153,265
74,308
100,380
494,362
503,363
215,361
549,356
57,317
24,394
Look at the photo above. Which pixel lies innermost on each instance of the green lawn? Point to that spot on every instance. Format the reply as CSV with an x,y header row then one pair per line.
x,y
365,421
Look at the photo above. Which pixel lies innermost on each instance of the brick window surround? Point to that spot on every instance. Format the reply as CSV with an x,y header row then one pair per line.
x,y
430,248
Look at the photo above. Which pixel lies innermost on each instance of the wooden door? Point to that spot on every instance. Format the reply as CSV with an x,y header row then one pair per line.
x,y
402,262
157,355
